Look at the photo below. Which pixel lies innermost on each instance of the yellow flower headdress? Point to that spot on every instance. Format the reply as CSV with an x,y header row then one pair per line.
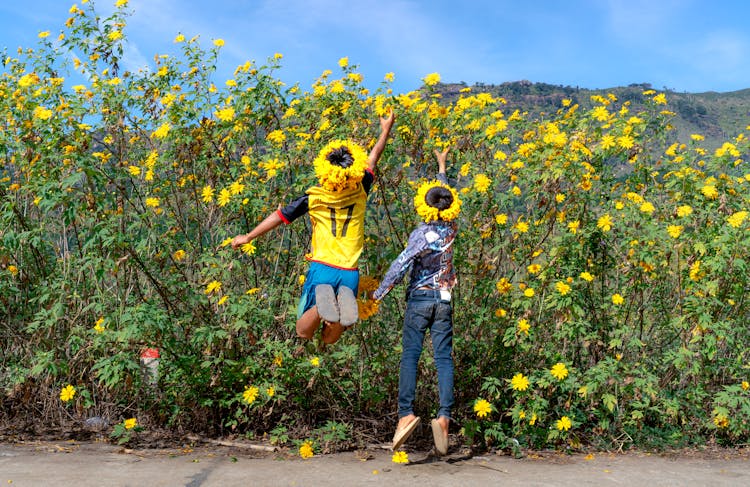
x,y
336,178
429,213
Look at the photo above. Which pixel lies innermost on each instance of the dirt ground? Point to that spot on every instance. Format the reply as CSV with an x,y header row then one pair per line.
x,y
40,463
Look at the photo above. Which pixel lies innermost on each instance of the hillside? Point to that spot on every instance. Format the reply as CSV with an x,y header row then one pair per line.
x,y
717,116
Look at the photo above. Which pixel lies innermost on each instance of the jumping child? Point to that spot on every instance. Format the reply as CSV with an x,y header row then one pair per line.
x,y
337,212
429,254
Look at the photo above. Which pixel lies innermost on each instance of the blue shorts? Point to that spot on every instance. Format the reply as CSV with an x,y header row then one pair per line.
x,y
319,273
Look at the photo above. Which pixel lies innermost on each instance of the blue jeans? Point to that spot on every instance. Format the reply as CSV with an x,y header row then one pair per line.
x,y
424,310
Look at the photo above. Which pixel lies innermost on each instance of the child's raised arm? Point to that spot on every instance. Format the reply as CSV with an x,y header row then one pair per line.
x,y
386,123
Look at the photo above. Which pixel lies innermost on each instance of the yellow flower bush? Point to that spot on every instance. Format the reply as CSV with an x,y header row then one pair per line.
x,y
620,239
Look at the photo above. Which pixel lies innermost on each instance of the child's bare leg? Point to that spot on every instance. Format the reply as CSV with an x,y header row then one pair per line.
x,y
308,323
331,333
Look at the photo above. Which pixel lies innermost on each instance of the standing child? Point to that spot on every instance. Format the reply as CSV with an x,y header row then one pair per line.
x,y
337,213
429,254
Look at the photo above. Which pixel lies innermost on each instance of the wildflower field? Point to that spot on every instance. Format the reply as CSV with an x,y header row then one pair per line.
x,y
602,263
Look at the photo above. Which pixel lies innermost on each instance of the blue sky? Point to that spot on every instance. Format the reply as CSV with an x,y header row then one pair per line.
x,y
683,45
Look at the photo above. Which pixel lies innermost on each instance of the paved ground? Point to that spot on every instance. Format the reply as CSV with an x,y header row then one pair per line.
x,y
98,464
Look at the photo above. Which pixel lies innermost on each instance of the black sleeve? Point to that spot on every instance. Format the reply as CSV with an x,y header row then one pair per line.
x,y
367,181
295,209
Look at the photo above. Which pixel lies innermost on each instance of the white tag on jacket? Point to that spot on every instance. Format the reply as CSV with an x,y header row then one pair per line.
x,y
445,295
431,236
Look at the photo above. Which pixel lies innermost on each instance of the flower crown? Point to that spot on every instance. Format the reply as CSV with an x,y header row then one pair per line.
x,y
337,178
429,213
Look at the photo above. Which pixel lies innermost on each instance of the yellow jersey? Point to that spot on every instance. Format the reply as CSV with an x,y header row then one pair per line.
x,y
337,223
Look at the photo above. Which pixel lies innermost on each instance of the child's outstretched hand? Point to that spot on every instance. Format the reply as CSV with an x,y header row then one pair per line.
x,y
240,240
387,122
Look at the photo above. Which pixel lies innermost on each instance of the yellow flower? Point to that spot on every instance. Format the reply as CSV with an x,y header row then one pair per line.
x,y
306,450
67,393
501,219
721,421
660,99
501,313
528,292
224,197
523,326
586,276
389,77
248,248
115,35
573,226
503,285
121,3
534,268
219,42
301,279
98,325
13,270
674,231
684,210
44,34
521,227
179,254
559,371
278,360
617,299
482,183
344,62
270,391
736,219
647,207
400,457
134,170
695,271
315,362
179,38
162,131
276,136
152,202
250,394
431,79
709,191
225,114
604,223
482,408
212,287
130,423
519,382
562,288
252,291
563,424
42,113
559,197
222,300
207,194
745,385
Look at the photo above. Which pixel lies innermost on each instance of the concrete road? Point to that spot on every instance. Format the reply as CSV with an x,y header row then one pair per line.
x,y
102,464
